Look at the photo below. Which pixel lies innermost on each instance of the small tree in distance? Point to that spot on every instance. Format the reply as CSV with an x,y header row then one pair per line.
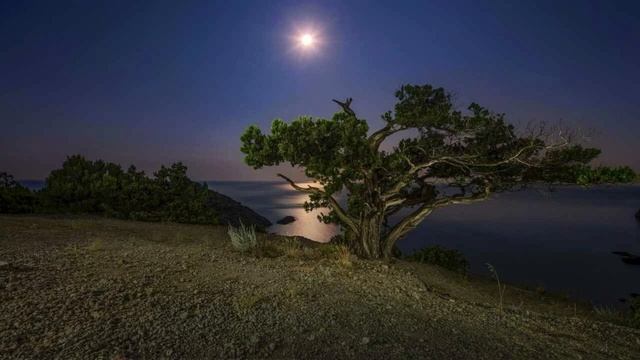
x,y
448,157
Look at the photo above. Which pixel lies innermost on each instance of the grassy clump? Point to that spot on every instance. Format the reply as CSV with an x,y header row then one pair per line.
x,y
243,238
293,248
449,259
629,317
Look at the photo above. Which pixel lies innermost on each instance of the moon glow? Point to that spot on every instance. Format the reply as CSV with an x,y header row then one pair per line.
x,y
307,40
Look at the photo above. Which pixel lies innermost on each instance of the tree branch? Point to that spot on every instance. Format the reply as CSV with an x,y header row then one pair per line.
x,y
333,203
412,220
406,224
346,106
463,164
379,136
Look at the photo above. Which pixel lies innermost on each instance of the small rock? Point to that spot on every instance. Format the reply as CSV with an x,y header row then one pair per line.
x,y
286,220
365,340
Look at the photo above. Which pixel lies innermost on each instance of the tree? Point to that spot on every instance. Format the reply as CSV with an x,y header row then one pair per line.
x,y
447,157
15,198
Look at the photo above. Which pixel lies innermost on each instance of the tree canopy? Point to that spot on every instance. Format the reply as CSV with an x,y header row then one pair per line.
x,y
446,157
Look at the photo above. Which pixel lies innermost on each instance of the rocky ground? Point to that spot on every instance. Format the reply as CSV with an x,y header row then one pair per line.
x,y
95,288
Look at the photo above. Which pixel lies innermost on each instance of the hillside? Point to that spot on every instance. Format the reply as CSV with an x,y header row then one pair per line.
x,y
230,211
78,288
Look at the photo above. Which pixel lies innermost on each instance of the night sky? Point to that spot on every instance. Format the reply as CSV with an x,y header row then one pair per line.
x,y
154,82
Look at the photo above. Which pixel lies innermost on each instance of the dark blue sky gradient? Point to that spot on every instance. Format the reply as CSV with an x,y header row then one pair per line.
x,y
157,82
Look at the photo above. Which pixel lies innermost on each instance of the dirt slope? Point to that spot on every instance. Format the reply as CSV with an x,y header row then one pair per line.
x,y
96,288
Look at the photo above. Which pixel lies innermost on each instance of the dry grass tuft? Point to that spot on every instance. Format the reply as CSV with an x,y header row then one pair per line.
x,y
243,238
343,256
291,247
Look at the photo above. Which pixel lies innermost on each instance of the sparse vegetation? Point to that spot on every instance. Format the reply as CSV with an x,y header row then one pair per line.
x,y
501,287
243,238
450,259
343,256
626,317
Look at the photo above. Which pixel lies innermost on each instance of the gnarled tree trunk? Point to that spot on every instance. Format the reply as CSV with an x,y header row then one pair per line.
x,y
370,241
367,241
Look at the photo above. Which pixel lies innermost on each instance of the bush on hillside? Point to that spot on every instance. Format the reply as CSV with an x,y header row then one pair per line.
x,y
449,259
84,186
15,198
179,198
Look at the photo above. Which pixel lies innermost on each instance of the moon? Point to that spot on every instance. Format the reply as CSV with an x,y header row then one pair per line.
x,y
306,40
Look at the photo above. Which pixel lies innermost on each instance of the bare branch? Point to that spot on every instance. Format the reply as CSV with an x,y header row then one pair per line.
x,y
379,136
412,220
333,203
346,106
406,224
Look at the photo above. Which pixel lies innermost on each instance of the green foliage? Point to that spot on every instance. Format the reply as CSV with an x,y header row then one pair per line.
x,y
450,259
179,199
84,186
243,238
604,175
15,198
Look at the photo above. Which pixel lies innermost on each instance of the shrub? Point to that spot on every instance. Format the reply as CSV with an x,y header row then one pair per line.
x,y
446,258
84,186
181,200
243,238
15,198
